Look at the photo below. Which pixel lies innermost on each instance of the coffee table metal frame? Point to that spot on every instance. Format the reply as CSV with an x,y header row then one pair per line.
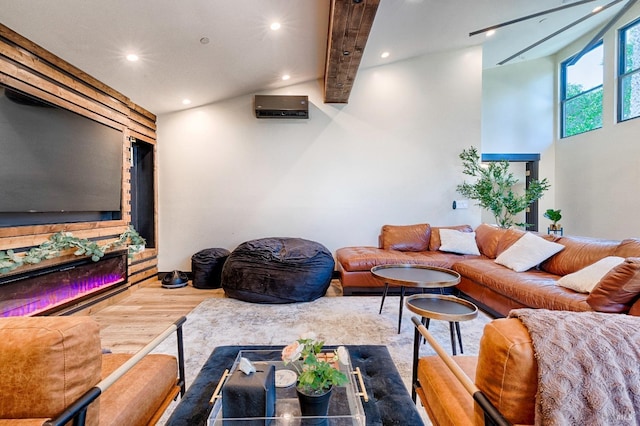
x,y
414,276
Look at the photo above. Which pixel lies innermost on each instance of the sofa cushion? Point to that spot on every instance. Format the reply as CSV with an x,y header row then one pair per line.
x,y
487,238
635,309
139,393
47,363
529,251
509,238
578,253
434,242
585,279
618,289
507,372
453,241
364,258
629,247
533,288
405,237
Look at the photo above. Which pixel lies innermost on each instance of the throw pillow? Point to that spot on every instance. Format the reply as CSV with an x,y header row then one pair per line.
x,y
405,237
529,251
458,242
584,280
434,242
618,289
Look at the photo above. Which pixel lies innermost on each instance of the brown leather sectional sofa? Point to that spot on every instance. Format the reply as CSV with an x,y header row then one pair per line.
x,y
495,287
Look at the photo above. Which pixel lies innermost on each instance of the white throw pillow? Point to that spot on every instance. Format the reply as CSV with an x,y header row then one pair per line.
x,y
529,251
455,241
584,280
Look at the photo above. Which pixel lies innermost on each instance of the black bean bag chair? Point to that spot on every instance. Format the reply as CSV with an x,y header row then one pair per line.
x,y
278,270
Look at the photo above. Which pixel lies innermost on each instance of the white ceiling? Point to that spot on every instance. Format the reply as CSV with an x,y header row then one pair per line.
x,y
244,56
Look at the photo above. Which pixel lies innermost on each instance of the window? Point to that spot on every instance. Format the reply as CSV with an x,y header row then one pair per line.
x,y
581,93
629,72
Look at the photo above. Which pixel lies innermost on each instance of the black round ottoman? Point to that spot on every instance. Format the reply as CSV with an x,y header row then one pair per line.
x,y
206,266
278,270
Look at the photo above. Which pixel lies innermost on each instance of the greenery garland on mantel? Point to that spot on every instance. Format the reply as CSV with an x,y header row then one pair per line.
x,y
65,240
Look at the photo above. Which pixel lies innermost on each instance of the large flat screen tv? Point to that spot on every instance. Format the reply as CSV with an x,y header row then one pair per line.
x,y
55,165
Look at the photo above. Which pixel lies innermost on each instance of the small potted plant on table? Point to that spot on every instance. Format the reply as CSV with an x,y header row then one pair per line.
x,y
316,373
554,216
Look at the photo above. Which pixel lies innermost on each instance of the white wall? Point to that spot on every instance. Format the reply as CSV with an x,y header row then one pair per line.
x,y
518,117
598,172
390,156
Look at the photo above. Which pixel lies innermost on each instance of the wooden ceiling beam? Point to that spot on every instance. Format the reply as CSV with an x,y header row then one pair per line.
x,y
350,23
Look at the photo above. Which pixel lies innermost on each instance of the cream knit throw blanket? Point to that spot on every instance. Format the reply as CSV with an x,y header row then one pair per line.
x,y
588,366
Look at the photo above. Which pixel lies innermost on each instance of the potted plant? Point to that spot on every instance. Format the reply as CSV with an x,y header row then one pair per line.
x,y
317,373
554,216
493,188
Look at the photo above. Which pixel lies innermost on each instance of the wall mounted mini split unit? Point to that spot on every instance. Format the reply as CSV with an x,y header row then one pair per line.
x,y
278,106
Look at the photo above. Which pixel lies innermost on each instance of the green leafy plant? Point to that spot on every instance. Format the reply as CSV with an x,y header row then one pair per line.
x,y
61,241
553,215
493,188
316,374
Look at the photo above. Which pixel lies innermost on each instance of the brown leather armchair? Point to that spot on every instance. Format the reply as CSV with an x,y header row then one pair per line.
x,y
54,371
505,383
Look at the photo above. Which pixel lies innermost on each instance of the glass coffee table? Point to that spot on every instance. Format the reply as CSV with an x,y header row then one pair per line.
x,y
415,276
345,407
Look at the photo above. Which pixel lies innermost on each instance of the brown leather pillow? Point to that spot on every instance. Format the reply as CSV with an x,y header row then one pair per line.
x,y
488,237
434,242
635,309
405,237
508,239
619,289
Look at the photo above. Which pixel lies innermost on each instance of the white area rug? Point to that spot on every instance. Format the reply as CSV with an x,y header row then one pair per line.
x,y
352,320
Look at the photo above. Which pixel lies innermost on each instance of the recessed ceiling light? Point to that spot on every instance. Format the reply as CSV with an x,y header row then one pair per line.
x,y
132,57
286,77
204,40
186,101
490,33
597,9
275,26
384,55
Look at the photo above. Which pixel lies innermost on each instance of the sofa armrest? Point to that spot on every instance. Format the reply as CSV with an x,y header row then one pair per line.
x,y
491,415
77,411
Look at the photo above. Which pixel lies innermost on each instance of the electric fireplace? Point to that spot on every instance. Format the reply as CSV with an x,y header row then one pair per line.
x,y
63,287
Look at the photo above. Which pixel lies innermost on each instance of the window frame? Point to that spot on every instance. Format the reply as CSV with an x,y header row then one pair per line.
x,y
563,91
623,75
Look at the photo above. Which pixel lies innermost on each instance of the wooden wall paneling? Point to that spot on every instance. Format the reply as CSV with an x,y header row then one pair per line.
x,y
137,278
143,118
43,54
142,137
32,240
39,87
137,109
143,130
57,227
29,62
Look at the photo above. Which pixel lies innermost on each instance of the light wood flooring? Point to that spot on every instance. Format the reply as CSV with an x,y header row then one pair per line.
x,y
132,322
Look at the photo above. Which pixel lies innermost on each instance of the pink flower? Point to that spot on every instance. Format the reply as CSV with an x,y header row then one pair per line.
x,y
292,352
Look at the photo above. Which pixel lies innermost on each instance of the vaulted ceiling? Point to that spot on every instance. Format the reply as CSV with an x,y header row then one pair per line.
x,y
210,50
